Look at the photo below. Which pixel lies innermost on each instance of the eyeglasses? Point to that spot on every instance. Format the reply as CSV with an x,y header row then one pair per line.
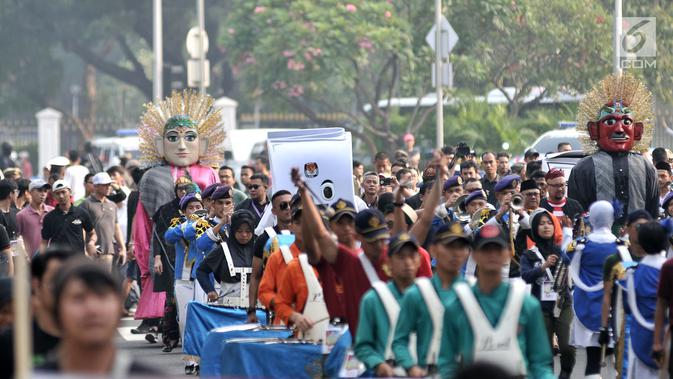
x,y
284,205
556,185
253,186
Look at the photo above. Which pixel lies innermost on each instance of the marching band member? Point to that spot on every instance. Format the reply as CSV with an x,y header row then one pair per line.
x,y
586,257
641,285
422,307
495,321
539,268
207,232
186,261
380,308
232,253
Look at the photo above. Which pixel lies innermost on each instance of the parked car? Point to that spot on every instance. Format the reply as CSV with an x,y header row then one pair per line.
x,y
564,161
548,142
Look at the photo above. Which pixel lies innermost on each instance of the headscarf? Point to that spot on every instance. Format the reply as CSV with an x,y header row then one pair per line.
x,y
546,246
601,215
241,254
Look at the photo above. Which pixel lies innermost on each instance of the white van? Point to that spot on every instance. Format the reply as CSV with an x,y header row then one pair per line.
x,y
111,149
548,142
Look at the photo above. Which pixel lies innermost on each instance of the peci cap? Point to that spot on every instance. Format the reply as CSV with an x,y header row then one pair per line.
x,y
508,182
638,214
371,225
38,184
489,234
102,178
342,208
529,185
399,241
450,232
59,185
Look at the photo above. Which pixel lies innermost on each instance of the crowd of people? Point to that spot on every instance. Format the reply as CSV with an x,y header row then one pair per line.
x,y
431,267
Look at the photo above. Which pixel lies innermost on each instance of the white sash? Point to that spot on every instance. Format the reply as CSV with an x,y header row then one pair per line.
x,y
392,309
624,253
436,310
497,345
542,260
631,292
315,307
271,232
237,298
574,269
287,254
369,269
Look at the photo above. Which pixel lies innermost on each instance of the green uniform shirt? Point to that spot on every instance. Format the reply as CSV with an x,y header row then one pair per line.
x,y
458,340
415,317
373,327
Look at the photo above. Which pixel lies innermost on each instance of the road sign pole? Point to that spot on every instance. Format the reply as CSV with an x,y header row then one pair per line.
x,y
438,74
202,56
157,44
617,39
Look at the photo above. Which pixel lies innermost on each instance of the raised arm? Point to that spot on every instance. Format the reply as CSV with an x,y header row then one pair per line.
x,y
314,232
421,228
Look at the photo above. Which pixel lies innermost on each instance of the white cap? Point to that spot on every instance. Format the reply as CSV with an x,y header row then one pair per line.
x,y
39,184
59,185
102,178
58,161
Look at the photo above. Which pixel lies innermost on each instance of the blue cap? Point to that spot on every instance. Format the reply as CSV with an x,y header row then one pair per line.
x,y
188,198
399,241
453,181
450,232
508,182
208,192
371,225
474,195
222,192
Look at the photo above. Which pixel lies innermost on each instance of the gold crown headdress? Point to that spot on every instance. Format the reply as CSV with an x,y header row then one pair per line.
x,y
198,108
617,88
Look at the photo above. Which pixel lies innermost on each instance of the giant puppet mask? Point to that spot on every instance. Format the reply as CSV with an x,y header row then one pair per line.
x,y
181,131
617,113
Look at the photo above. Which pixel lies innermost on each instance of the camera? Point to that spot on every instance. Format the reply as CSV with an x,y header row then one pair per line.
x,y
385,181
462,150
327,190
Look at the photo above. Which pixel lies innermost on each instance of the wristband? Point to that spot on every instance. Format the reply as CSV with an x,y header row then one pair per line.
x,y
251,310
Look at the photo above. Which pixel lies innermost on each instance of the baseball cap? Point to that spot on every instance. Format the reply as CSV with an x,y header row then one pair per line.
x,y
188,198
371,225
38,184
59,185
450,232
399,241
102,178
342,208
530,153
488,234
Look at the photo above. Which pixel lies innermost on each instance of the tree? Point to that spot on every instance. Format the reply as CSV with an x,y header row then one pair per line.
x,y
558,45
330,56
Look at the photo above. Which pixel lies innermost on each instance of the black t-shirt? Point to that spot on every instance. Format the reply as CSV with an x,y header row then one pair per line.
x,y
4,238
43,345
8,220
66,228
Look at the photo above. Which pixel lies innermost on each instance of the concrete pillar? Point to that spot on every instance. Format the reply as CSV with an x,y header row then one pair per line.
x,y
227,108
48,136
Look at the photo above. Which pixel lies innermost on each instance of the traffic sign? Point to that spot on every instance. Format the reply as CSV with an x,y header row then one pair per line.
x,y
193,42
448,38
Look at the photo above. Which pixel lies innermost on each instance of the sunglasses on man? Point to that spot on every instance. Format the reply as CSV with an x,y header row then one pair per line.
x,y
253,186
284,205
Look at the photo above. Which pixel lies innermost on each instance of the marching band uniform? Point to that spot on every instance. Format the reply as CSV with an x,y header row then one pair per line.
x,y
422,312
586,258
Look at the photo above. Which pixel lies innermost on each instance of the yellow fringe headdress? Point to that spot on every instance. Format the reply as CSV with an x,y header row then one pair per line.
x,y
196,106
624,88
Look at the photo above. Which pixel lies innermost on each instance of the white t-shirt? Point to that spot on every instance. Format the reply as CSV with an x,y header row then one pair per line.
x,y
74,176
